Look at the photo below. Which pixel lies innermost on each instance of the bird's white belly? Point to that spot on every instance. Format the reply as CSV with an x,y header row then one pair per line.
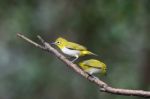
x,y
93,70
70,52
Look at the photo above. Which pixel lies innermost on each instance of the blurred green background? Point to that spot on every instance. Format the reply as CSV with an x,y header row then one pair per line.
x,y
117,30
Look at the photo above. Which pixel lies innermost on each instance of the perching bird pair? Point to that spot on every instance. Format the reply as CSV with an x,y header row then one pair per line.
x,y
90,66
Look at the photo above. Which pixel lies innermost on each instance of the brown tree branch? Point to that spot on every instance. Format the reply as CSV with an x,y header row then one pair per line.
x,y
103,86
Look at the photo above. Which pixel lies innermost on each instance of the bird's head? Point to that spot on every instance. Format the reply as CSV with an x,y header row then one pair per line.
x,y
60,42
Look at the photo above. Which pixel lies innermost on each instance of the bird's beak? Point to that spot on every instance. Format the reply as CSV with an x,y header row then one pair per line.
x,y
53,43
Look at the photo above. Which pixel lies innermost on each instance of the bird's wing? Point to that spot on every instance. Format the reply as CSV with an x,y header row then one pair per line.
x,y
75,46
98,67
94,64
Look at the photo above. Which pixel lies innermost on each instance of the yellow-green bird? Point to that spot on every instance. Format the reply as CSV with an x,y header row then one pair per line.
x,y
71,48
92,66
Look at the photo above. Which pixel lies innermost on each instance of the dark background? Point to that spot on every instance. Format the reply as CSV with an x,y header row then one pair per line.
x,y
117,30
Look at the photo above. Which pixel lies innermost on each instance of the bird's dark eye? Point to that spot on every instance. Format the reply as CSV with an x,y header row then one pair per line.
x,y
58,42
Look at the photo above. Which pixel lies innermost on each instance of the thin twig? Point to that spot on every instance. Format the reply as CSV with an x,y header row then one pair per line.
x,y
30,41
103,86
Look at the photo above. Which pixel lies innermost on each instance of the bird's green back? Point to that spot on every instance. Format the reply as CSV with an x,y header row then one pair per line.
x,y
75,46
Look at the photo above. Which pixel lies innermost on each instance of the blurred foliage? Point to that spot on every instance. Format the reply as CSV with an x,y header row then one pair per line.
x,y
117,30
